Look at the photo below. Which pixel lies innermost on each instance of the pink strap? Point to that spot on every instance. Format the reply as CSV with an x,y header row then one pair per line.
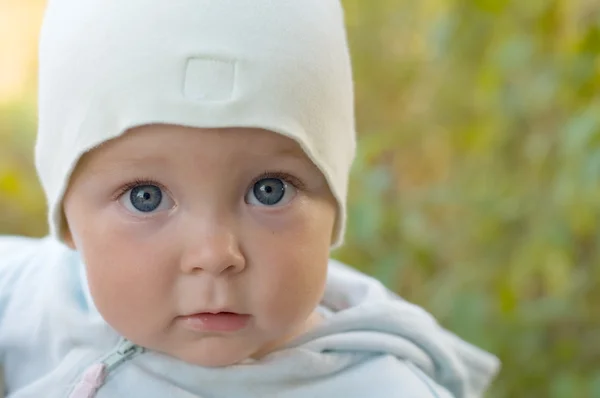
x,y
90,382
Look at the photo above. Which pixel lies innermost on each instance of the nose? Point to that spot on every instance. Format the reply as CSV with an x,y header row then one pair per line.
x,y
212,249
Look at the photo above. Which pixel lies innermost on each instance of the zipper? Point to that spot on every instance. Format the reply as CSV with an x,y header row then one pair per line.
x,y
125,351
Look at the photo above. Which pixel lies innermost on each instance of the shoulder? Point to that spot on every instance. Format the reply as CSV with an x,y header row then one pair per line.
x,y
15,246
390,377
19,254
15,253
27,261
17,260
38,277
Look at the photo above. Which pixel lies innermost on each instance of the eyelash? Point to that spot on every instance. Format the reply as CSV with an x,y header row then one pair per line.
x,y
296,182
136,183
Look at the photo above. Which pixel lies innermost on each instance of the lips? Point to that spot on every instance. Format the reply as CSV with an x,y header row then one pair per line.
x,y
215,321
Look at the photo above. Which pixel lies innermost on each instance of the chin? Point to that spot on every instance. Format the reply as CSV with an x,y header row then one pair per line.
x,y
217,362
215,356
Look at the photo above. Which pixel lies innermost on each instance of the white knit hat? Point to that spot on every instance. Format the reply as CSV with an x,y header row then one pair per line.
x,y
109,65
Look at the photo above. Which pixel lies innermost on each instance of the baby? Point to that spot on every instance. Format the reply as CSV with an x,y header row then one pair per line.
x,y
195,157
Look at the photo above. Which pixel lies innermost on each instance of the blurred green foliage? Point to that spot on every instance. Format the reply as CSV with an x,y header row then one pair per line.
x,y
476,190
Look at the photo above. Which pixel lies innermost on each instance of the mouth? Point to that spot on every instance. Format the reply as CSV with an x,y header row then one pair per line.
x,y
221,321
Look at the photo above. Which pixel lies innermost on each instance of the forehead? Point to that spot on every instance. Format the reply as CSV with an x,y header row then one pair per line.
x,y
167,143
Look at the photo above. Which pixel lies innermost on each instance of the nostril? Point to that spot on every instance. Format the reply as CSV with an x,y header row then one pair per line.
x,y
231,268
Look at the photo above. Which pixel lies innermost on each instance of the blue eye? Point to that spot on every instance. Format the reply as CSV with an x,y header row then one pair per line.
x,y
145,198
270,192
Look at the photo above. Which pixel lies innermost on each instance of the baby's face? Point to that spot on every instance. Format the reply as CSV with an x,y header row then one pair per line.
x,y
174,223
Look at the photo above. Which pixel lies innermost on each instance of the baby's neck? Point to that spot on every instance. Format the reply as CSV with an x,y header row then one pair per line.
x,y
314,320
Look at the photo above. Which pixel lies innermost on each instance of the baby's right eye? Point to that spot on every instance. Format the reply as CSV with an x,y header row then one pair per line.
x,y
146,199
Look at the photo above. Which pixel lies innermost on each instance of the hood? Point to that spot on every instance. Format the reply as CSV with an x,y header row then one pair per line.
x,y
365,316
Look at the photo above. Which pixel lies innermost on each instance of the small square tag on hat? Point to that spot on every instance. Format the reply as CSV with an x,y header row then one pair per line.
x,y
209,79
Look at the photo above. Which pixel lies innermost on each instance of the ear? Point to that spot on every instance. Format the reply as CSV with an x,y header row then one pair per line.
x,y
68,240
67,236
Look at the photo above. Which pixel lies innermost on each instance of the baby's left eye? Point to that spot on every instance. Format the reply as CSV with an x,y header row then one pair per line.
x,y
146,199
270,192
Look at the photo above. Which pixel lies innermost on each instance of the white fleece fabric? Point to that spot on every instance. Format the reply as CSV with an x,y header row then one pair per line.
x,y
110,65
372,343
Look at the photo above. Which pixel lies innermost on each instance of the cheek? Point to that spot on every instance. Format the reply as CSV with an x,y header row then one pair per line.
x,y
291,264
293,282
128,273
308,223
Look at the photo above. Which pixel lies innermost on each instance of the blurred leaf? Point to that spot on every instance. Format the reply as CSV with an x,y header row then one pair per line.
x,y
10,184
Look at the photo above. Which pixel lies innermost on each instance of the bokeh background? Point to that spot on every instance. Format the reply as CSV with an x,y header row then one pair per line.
x,y
476,190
